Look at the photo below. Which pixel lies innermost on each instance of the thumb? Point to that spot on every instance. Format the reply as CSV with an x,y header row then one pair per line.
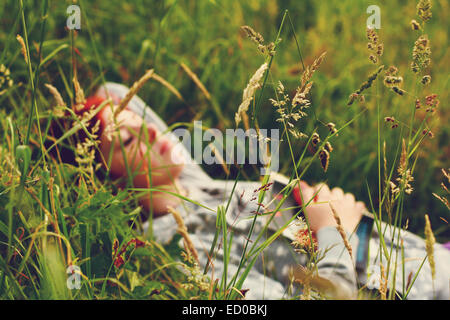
x,y
303,194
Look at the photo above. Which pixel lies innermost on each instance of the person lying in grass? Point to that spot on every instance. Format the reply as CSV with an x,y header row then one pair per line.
x,y
342,249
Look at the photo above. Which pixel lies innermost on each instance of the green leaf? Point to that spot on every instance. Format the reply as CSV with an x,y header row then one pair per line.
x,y
143,252
23,157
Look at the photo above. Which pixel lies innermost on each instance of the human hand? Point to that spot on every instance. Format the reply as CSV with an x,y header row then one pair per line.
x,y
319,213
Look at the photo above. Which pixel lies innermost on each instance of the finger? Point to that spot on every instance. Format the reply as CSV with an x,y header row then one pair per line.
x,y
360,206
337,193
349,197
307,192
322,190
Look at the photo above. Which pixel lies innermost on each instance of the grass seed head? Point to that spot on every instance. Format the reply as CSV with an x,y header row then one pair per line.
x,y
58,110
258,39
421,56
315,139
426,80
375,47
429,244
249,92
398,91
424,10
415,25
324,157
341,230
23,48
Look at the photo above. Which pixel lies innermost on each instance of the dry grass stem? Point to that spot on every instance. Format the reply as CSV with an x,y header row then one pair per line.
x,y
196,80
383,283
166,84
341,230
182,230
133,91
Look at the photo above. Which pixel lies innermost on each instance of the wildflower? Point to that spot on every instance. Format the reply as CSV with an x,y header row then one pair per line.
x,y
424,10
421,54
429,243
196,279
118,262
302,238
138,243
119,256
249,91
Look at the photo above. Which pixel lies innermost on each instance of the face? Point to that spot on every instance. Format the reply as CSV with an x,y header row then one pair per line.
x,y
145,151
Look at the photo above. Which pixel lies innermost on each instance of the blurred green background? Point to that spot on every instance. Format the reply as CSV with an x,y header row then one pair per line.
x,y
122,39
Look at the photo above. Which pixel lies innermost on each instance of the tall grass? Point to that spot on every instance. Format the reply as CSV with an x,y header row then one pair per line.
x,y
55,215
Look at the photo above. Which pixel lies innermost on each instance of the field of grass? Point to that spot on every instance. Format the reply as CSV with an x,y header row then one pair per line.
x,y
47,218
